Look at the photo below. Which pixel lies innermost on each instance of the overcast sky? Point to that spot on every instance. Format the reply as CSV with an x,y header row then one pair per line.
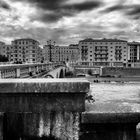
x,y
68,21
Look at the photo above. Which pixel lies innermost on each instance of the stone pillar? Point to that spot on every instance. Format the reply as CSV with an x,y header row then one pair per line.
x,y
0,75
42,108
101,71
37,69
138,52
18,73
109,126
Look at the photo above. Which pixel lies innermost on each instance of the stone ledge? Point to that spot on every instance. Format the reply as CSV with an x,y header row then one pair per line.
x,y
103,118
43,85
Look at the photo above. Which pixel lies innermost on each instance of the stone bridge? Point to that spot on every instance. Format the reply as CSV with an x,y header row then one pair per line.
x,y
28,70
57,73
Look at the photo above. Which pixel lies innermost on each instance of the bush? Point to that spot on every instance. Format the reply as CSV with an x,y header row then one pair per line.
x,y
69,74
89,72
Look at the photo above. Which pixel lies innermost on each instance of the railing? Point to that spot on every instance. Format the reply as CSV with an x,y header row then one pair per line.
x,y
24,70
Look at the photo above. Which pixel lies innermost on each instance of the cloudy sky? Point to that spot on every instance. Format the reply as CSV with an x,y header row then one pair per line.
x,y
68,21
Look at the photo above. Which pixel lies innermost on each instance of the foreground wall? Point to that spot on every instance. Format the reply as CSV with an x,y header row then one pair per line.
x,y
41,108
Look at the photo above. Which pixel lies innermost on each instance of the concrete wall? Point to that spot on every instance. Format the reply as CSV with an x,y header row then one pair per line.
x,y
124,72
109,126
41,108
85,70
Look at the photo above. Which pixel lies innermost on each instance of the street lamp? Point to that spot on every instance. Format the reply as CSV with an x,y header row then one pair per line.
x,y
50,43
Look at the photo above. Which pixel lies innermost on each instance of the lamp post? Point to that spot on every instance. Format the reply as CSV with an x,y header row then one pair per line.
x,y
50,43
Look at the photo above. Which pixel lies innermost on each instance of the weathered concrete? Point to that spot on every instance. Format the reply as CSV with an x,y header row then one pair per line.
x,y
42,108
109,126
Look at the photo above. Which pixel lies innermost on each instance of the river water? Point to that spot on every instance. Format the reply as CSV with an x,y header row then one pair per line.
x,y
115,97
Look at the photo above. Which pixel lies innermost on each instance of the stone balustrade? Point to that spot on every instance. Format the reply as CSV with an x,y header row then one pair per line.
x,y
24,70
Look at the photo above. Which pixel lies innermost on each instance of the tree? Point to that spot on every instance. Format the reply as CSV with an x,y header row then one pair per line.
x,y
3,58
89,72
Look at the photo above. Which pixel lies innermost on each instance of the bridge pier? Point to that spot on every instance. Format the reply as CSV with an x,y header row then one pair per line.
x,y
39,109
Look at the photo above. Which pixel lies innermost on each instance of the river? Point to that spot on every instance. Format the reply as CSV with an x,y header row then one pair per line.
x,y
115,97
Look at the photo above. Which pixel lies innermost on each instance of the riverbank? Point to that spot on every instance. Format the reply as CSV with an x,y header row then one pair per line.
x,y
112,79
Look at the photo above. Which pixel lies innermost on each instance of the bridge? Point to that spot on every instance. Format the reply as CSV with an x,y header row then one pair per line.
x,y
42,108
53,70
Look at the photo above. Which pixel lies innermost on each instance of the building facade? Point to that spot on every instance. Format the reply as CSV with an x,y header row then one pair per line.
x,y
134,54
5,50
61,53
25,50
103,52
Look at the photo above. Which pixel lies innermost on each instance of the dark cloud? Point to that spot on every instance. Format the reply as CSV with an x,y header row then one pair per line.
x,y
113,8
59,8
83,6
4,5
133,11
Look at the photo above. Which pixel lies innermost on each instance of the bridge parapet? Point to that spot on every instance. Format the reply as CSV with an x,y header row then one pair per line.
x,y
41,108
24,70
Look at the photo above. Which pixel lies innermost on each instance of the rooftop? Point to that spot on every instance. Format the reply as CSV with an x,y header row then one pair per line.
x,y
28,39
133,43
102,40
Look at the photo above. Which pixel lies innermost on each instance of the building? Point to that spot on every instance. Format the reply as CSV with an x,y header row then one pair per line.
x,y
103,52
54,53
134,54
25,50
5,50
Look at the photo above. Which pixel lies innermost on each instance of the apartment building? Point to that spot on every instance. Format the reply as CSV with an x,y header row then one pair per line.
x,y
134,54
25,50
103,52
5,50
61,53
